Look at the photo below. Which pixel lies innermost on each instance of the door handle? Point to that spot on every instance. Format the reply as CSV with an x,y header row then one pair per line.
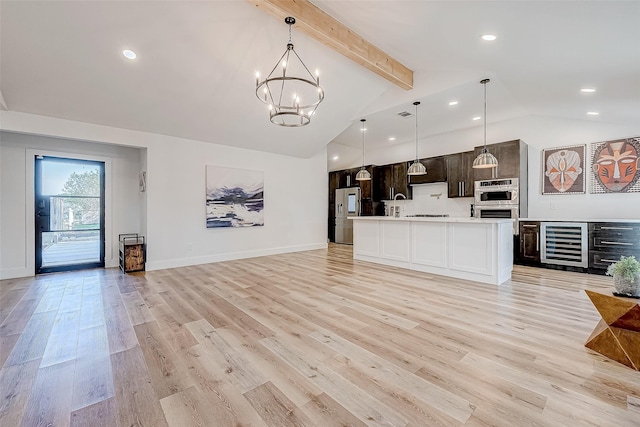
x,y
537,242
616,243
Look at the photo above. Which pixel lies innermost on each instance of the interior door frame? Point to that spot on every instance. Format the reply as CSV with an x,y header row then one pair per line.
x,y
109,260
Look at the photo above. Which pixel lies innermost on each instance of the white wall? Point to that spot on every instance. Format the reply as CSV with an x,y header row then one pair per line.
x,y
173,216
123,204
294,198
539,133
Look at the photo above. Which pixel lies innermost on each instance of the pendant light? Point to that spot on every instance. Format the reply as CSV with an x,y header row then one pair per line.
x,y
363,174
485,159
416,167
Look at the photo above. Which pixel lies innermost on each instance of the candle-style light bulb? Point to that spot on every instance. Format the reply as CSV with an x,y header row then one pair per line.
x,y
257,78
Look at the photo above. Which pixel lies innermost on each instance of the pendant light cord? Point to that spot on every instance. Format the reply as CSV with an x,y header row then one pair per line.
x,y
362,120
485,114
416,104
416,132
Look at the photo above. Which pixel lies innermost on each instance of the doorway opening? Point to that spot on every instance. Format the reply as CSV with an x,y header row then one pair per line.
x,y
69,214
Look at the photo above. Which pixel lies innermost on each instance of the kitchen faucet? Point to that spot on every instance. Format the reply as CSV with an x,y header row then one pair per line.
x,y
396,212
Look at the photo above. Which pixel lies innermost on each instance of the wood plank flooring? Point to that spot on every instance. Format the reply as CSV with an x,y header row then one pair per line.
x,y
306,339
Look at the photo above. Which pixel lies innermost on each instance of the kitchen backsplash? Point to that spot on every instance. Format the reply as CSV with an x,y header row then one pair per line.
x,y
432,199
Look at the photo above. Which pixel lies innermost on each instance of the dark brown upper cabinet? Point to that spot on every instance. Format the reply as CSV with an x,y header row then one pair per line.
x,y
512,160
460,174
436,171
391,180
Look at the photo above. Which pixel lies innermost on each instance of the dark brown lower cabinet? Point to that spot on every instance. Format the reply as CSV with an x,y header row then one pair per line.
x,y
529,242
608,241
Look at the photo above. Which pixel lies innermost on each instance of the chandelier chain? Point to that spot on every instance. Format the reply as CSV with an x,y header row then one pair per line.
x,y
290,34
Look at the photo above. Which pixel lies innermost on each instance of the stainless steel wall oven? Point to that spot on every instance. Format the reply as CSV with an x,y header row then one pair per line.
x,y
497,192
498,198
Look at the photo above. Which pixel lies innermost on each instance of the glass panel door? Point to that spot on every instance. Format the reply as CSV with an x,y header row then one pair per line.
x,y
69,214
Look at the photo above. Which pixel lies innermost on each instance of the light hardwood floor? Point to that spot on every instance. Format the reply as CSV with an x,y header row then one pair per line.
x,y
304,339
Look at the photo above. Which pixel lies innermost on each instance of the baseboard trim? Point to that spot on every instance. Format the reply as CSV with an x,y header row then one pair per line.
x,y
184,262
15,273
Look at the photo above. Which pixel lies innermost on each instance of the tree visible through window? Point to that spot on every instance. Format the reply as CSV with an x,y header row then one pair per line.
x,y
84,212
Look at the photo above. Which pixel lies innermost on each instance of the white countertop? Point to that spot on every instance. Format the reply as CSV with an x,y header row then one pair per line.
x,y
636,221
434,219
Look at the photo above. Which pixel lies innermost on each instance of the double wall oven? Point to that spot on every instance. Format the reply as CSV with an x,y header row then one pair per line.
x,y
497,198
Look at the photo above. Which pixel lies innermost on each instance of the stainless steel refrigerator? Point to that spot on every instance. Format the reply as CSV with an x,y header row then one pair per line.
x,y
347,204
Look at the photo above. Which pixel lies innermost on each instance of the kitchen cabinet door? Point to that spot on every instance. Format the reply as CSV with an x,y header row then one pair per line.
x,y
390,180
530,242
347,178
436,171
512,160
366,187
401,179
383,184
460,174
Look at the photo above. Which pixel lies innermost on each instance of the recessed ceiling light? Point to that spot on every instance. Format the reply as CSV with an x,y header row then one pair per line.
x,y
335,157
489,37
477,118
392,138
587,90
129,54
453,103
593,113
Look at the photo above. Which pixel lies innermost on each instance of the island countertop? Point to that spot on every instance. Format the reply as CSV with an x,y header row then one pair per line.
x,y
435,219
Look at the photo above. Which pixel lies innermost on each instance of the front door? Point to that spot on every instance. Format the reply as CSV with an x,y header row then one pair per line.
x,y
69,214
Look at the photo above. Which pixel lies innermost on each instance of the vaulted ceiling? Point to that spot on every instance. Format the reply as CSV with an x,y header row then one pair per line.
x,y
194,76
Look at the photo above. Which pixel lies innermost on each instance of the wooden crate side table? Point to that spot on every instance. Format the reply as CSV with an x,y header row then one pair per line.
x,y
617,335
133,252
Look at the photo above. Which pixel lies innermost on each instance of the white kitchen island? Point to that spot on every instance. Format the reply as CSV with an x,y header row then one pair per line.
x,y
465,248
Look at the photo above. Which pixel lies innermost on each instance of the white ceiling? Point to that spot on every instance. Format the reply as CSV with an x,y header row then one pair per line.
x,y
195,72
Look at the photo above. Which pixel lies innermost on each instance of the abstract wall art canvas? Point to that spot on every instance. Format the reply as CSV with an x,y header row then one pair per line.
x,y
235,197
564,170
615,166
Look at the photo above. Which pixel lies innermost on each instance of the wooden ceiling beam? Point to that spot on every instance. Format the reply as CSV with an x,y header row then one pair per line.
x,y
316,23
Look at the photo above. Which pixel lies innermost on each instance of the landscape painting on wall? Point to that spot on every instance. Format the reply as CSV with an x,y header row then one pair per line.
x,y
234,197
615,166
564,170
